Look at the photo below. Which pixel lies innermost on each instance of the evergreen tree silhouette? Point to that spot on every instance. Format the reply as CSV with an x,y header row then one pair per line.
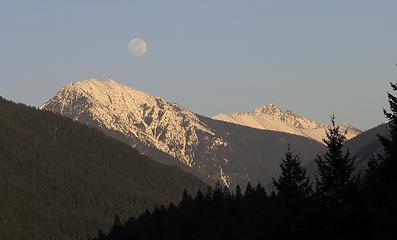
x,y
218,194
337,184
293,181
390,144
249,191
116,230
238,193
293,198
260,192
381,180
186,199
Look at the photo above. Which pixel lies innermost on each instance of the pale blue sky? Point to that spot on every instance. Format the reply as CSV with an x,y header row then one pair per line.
x,y
212,56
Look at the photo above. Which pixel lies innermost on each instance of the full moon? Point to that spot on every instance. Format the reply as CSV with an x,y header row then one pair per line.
x,y
137,47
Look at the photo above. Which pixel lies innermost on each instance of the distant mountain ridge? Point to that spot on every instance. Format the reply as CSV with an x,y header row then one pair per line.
x,y
212,149
271,117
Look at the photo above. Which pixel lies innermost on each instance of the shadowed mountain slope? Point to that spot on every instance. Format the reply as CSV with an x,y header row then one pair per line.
x,y
367,145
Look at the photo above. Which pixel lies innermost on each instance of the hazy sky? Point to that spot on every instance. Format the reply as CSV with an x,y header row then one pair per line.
x,y
212,56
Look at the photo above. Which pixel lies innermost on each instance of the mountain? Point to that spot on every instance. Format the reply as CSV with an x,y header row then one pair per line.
x,y
271,117
213,150
62,180
367,145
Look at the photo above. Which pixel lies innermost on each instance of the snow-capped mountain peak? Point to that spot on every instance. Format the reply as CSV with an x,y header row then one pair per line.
x,y
115,106
270,109
271,117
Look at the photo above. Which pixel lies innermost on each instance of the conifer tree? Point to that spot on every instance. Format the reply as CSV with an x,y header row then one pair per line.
x,y
186,199
381,180
390,144
116,229
219,193
239,195
293,181
337,183
260,192
249,191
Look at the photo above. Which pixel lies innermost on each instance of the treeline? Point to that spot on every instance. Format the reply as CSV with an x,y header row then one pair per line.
x,y
339,204
62,180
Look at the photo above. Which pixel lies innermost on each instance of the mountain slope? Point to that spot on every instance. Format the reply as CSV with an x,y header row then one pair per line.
x,y
367,145
271,117
215,150
62,180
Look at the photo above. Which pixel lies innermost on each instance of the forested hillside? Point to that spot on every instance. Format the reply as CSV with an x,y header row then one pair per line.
x,y
63,180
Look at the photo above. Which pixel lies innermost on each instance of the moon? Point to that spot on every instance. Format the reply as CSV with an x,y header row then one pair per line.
x,y
137,47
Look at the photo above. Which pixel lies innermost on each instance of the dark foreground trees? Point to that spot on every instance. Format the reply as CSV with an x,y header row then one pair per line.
x,y
381,182
340,207
218,214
